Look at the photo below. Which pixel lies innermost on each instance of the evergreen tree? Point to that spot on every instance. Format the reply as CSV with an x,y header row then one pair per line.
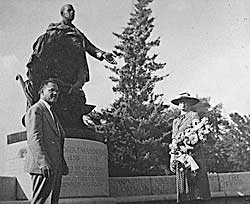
x,y
137,127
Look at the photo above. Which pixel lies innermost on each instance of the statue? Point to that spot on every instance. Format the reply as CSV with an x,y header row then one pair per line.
x,y
60,53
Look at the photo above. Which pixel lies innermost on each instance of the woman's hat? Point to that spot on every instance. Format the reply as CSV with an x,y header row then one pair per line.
x,y
185,97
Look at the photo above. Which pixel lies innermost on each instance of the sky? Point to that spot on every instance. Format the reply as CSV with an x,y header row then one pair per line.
x,y
205,44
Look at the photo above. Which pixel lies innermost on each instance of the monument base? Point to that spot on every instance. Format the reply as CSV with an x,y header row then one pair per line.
x,y
101,200
84,133
88,166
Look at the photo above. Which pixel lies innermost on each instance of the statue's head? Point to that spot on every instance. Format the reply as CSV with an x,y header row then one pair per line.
x,y
68,12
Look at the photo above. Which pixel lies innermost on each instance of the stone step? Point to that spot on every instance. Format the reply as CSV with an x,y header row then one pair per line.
x,y
171,198
14,202
97,200
100,200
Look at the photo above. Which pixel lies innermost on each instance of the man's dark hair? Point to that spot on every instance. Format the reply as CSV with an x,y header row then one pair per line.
x,y
44,83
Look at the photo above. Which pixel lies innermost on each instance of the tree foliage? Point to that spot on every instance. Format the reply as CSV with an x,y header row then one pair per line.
x,y
236,143
137,126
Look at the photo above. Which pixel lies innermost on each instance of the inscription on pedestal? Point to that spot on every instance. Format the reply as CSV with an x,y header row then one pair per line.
x,y
130,186
88,166
234,181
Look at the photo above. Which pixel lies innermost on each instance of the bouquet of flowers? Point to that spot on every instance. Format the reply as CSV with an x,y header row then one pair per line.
x,y
184,143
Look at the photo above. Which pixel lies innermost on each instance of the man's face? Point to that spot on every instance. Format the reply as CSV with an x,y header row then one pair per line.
x,y
50,93
68,13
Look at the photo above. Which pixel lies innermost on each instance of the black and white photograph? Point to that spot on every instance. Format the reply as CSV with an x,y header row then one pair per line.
x,y
125,102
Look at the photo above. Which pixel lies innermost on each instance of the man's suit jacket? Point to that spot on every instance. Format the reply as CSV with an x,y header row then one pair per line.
x,y
45,140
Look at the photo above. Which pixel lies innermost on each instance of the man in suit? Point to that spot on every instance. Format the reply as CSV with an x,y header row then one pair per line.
x,y
45,136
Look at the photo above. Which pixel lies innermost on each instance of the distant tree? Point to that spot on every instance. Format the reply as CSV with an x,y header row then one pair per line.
x,y
214,150
227,146
236,143
137,126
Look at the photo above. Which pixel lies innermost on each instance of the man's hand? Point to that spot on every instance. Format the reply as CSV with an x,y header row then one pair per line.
x,y
109,57
47,171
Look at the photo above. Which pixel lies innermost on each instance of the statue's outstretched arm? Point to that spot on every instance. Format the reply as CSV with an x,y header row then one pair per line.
x,y
96,52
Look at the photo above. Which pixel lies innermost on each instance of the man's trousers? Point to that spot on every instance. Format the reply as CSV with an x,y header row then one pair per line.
x,y
46,190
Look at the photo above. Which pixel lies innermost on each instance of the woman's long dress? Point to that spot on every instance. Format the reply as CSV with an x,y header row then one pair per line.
x,y
190,186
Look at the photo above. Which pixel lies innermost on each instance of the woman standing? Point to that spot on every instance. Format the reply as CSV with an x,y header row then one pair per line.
x,y
192,185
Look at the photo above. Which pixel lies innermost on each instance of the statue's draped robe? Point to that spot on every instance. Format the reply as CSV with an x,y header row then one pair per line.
x,y
61,53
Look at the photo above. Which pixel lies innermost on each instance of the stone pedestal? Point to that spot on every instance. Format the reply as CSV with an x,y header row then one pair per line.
x,y
88,165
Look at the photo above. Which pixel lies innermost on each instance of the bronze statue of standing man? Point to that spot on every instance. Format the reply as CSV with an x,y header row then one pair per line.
x,y
61,53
